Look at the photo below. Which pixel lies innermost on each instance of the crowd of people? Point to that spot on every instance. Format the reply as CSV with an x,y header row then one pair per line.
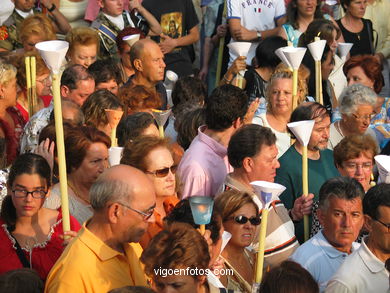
x,y
132,228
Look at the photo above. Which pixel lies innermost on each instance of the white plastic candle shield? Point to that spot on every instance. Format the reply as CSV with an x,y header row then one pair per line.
x,y
53,53
343,49
240,49
267,191
279,52
161,116
225,239
317,49
302,130
170,79
132,39
294,56
201,208
115,155
383,164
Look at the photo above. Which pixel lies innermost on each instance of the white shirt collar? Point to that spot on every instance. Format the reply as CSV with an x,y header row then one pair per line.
x,y
117,20
24,14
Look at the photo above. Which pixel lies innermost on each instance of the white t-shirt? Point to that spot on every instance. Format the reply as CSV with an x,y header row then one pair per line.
x,y
259,15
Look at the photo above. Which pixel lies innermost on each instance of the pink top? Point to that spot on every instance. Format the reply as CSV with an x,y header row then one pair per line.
x,y
93,9
43,255
204,166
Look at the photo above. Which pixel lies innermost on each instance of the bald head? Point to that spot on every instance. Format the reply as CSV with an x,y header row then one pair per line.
x,y
121,183
140,47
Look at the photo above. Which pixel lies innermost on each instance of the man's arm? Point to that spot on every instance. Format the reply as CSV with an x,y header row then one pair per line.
x,y
61,24
155,27
167,44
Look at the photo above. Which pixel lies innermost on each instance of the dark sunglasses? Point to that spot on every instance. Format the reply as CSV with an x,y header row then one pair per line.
x,y
163,172
243,220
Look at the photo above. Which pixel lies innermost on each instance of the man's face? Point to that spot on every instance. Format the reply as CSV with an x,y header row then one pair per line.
x,y
265,164
153,64
84,88
342,222
112,7
24,5
320,134
379,233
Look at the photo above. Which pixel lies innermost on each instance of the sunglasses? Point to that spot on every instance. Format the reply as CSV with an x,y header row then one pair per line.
x,y
243,220
163,172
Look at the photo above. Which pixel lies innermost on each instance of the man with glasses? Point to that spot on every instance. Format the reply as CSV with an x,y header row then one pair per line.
x,y
105,255
341,216
365,271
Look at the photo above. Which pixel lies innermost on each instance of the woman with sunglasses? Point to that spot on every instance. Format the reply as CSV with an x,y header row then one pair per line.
x,y
31,236
153,156
356,107
240,217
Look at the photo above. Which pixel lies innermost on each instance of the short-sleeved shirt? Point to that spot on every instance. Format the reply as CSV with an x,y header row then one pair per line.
x,y
177,18
255,15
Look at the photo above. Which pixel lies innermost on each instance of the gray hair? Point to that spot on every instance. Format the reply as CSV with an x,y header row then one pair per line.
x,y
339,187
106,190
354,96
7,72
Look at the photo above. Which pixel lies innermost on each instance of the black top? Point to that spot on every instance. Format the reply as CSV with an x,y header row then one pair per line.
x,y
255,85
362,41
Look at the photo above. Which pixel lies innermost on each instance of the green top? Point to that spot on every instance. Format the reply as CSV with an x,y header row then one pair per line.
x,y
290,175
9,32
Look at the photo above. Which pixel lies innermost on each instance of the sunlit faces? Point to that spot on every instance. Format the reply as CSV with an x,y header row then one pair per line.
x,y
153,64
341,222
111,7
264,164
158,159
94,163
177,284
320,134
31,41
360,120
84,55
43,85
242,234
357,8
24,5
84,88
379,234
356,75
306,7
281,95
8,93
28,206
359,168
110,85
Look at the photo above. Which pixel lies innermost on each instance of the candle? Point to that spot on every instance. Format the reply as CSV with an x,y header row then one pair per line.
x,y
305,189
33,85
27,62
260,254
295,88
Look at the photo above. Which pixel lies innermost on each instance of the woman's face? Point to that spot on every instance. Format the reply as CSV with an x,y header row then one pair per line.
x,y
94,163
28,205
43,85
184,283
327,66
360,120
242,234
333,42
31,41
356,75
281,95
359,168
84,55
156,161
357,8
306,7
8,93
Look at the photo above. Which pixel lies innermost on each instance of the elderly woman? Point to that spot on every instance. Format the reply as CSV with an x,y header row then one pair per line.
x,y
94,109
83,46
30,235
8,99
179,246
356,108
367,70
354,157
153,156
240,216
86,151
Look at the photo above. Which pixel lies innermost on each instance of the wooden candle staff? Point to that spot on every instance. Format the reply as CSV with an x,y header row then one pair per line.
x,y
113,117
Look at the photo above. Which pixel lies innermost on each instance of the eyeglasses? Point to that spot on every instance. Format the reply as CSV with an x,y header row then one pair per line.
x,y
363,118
386,225
146,216
163,172
22,193
243,220
355,166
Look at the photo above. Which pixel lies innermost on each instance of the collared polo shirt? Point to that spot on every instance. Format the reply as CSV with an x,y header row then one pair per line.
x,y
320,258
89,265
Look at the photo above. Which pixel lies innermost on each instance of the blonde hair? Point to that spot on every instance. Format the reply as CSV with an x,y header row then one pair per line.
x,y
7,73
84,36
38,24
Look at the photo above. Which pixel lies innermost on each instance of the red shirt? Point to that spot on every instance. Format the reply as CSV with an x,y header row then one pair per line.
x,y
43,256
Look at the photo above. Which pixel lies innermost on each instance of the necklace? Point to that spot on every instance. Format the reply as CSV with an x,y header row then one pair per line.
x,y
87,202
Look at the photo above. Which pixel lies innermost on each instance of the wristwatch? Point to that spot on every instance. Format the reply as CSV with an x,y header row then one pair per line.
x,y
259,37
